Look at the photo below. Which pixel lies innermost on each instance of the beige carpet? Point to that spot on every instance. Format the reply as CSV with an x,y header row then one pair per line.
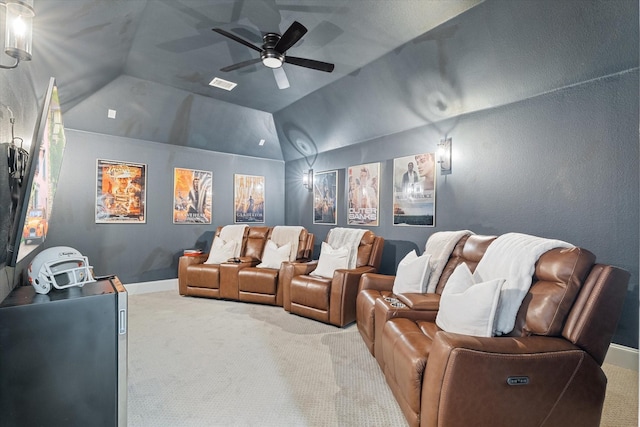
x,y
621,403
200,362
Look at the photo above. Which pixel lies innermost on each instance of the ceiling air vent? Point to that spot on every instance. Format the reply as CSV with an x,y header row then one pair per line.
x,y
222,84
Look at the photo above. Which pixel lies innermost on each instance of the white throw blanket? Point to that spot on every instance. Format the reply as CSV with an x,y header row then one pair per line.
x,y
346,237
440,245
513,257
235,233
283,234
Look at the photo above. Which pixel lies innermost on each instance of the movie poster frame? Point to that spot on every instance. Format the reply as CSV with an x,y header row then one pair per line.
x,y
259,182
405,199
318,177
102,214
181,203
354,174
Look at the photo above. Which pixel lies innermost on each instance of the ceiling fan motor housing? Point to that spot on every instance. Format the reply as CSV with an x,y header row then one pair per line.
x,y
270,57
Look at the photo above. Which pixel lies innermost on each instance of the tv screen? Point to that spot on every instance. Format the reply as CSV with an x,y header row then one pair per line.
x,y
39,186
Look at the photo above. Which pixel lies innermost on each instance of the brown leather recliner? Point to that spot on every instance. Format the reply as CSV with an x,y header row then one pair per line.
x,y
195,278
333,300
373,310
546,372
264,285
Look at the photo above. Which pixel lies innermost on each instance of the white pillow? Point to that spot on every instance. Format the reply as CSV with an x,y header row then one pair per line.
x,y
467,307
221,251
412,274
274,256
331,260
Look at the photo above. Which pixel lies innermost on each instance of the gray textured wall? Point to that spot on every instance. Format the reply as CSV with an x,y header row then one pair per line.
x,y
150,251
561,165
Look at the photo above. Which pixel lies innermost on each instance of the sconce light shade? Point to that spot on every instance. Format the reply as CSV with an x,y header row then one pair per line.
x,y
444,155
18,30
307,180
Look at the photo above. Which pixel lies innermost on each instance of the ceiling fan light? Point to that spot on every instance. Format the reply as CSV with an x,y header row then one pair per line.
x,y
272,62
272,59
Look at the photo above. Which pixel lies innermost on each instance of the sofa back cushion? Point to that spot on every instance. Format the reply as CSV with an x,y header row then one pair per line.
x,y
255,242
595,314
370,250
305,245
469,250
364,249
558,278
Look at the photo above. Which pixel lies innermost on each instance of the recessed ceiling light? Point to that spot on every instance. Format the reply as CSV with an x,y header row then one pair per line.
x,y
261,142
222,84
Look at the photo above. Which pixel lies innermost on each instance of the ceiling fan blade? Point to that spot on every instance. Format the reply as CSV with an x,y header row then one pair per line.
x,y
309,63
241,64
281,78
236,38
237,10
290,37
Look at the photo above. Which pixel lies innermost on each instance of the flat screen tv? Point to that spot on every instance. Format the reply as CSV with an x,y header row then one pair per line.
x,y
36,198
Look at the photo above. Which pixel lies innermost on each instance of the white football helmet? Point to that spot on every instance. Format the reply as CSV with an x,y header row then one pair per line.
x,y
60,267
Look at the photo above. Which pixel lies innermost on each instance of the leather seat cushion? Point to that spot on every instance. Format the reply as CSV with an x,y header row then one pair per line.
x,y
258,280
203,276
310,291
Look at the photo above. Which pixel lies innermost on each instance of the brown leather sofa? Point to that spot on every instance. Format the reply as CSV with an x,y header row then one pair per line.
x,y
375,303
224,281
546,372
264,285
331,301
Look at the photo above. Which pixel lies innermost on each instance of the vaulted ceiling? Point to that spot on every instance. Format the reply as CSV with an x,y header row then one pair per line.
x,y
399,64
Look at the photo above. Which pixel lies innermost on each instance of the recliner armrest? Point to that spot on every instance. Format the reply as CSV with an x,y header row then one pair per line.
x,y
344,291
353,272
297,268
421,302
183,263
377,282
246,261
193,259
288,270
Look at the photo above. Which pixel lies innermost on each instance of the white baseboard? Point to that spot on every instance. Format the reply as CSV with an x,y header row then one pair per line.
x,y
624,357
156,286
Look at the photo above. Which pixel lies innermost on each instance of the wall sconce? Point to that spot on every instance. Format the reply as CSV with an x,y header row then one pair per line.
x,y
307,180
18,31
444,155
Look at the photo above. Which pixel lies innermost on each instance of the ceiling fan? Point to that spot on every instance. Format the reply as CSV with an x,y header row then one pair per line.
x,y
273,52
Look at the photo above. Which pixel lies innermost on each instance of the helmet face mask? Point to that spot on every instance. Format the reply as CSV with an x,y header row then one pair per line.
x,y
59,267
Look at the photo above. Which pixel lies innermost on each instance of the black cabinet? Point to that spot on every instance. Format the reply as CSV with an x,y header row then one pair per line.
x,y
63,356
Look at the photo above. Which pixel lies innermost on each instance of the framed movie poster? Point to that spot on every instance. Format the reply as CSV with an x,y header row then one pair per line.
x,y
325,194
192,196
414,190
248,198
363,185
121,192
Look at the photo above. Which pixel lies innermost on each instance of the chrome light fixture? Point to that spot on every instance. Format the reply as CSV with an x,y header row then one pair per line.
x,y
444,155
307,180
18,30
